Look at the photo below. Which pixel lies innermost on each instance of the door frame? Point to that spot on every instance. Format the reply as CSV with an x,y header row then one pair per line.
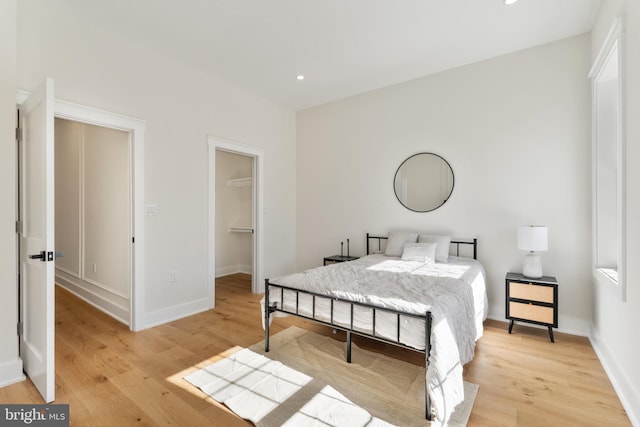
x,y
136,128
217,143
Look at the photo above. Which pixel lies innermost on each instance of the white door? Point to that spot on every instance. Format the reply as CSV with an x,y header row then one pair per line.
x,y
37,239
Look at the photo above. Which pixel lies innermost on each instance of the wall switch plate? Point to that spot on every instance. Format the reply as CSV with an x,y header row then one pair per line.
x,y
173,276
150,210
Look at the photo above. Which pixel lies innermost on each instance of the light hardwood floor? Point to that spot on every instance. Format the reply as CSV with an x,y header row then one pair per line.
x,y
113,377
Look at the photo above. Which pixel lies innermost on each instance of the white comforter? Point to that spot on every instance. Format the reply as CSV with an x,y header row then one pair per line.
x,y
454,292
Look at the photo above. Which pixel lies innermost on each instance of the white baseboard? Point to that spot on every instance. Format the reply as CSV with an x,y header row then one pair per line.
x,y
629,397
92,295
170,314
121,314
569,326
11,373
233,269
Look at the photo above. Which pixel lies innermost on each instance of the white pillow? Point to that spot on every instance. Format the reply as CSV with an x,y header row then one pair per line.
x,y
423,252
443,242
397,240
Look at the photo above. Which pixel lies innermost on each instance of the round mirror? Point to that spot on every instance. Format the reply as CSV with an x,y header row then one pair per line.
x,y
423,182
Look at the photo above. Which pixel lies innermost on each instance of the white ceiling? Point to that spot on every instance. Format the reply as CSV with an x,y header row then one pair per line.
x,y
343,47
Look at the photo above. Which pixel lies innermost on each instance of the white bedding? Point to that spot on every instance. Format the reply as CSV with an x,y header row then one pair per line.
x,y
454,292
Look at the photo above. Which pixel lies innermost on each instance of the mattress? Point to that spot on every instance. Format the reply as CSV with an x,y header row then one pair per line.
x,y
453,292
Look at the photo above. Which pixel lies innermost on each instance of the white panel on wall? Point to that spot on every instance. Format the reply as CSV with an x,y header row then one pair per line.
x,y
68,137
107,208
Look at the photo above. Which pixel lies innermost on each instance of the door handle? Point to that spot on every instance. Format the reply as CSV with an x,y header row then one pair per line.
x,y
42,256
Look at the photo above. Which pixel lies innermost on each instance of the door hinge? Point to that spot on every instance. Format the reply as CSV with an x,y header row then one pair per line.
x,y
18,134
20,329
18,226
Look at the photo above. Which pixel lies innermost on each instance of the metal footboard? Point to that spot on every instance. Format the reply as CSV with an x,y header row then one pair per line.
x,y
278,306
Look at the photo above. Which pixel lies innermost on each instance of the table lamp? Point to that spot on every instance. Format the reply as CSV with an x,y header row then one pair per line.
x,y
532,238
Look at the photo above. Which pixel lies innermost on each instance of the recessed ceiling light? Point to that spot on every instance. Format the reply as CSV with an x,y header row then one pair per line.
x,y
300,77
509,2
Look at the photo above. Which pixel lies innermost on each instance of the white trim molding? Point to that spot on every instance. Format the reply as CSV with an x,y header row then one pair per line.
x,y
218,143
104,299
629,397
11,373
175,312
233,269
602,74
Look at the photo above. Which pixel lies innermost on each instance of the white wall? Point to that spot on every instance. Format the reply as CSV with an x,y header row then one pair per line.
x,y
615,322
10,364
516,131
181,106
234,208
93,214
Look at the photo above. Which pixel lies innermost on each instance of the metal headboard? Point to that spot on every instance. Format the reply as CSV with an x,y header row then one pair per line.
x,y
454,242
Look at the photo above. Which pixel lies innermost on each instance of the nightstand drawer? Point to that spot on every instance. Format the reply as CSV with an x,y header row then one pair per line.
x,y
531,292
537,313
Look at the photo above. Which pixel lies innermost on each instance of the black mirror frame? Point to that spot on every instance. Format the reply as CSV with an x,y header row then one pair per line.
x,y
453,181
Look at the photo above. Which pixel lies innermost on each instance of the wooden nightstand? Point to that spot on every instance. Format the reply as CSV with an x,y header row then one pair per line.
x,y
532,300
337,258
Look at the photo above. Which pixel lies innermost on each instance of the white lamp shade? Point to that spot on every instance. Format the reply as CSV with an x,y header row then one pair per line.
x,y
533,238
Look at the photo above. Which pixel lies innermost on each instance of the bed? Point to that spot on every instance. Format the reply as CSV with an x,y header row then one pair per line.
x,y
428,296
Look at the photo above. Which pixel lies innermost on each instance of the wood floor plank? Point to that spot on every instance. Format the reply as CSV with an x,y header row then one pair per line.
x,y
157,400
111,376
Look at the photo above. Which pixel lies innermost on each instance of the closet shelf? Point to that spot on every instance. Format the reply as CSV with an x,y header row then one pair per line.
x,y
240,182
240,230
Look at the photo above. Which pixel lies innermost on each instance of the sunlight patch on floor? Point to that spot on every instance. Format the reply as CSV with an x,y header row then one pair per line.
x,y
178,380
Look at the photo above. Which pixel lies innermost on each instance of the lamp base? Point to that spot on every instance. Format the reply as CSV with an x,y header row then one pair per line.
x,y
532,267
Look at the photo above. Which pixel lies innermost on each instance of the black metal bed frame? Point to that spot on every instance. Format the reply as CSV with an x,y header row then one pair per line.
x,y
272,308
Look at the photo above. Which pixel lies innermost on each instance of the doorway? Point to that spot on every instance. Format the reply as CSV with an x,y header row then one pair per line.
x,y
246,227
93,215
234,213
35,227
136,128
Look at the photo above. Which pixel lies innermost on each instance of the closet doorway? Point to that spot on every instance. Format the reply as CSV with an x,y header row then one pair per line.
x,y
234,213
235,219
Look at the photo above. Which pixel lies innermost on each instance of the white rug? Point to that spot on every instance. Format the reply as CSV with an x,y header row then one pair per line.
x,y
268,393
388,388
